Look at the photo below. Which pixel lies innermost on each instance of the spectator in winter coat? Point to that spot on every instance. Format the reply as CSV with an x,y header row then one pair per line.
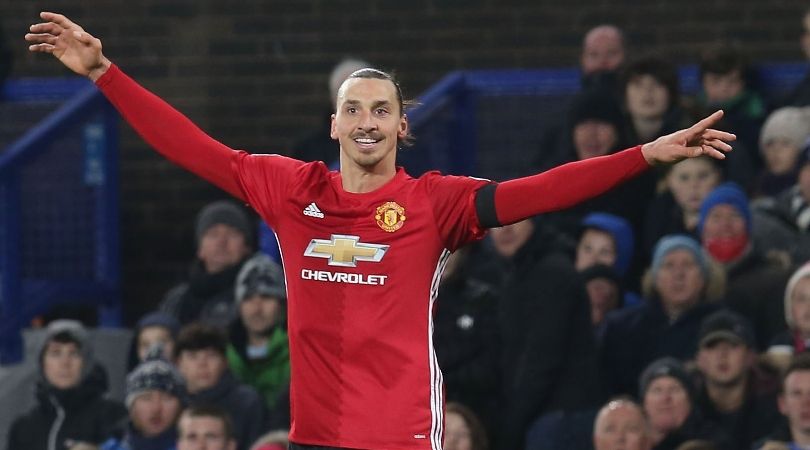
x,y
225,239
466,339
200,357
154,329
794,398
548,351
651,98
792,208
155,397
71,407
668,397
675,210
679,289
609,239
783,136
621,424
796,339
596,128
756,282
258,353
603,52
727,81
735,396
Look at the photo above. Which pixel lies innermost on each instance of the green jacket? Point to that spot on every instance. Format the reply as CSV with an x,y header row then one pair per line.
x,y
268,375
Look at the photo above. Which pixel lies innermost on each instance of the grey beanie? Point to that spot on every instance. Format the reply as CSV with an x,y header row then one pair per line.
x,y
227,213
260,275
789,123
155,373
672,242
798,275
666,367
75,332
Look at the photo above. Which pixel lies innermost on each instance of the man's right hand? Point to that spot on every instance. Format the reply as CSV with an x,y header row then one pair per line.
x,y
69,43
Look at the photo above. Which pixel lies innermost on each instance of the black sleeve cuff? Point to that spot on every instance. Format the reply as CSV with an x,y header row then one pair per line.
x,y
485,206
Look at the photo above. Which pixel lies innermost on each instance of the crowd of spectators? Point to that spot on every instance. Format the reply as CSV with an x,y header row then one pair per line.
x,y
670,313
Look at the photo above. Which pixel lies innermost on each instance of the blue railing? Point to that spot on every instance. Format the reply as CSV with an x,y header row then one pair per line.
x,y
59,238
489,123
58,182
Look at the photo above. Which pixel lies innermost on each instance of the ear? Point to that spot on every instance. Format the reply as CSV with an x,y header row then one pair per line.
x,y
231,445
333,128
403,127
781,402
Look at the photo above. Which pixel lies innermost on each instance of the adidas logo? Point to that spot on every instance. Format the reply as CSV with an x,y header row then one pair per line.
x,y
313,211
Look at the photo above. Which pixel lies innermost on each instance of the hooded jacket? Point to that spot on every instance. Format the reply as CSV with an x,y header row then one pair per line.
x,y
269,374
79,414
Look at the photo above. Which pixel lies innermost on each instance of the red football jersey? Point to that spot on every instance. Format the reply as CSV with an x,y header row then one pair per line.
x,y
362,274
362,270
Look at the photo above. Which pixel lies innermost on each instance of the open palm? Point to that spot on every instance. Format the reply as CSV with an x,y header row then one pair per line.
x,y
75,48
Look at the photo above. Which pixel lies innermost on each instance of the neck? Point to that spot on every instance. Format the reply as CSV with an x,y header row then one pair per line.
x,y
674,313
657,436
674,310
647,128
690,219
727,398
359,179
800,436
256,339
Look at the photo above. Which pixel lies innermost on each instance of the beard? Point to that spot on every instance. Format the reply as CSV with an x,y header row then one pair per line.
x,y
261,330
731,382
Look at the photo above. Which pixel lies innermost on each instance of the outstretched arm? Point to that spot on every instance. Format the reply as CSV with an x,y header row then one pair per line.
x,y
572,183
164,128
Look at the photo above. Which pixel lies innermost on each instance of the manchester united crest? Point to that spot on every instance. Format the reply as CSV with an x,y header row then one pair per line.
x,y
390,216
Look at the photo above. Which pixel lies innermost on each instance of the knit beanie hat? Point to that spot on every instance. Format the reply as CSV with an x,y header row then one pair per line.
x,y
790,123
666,367
155,373
673,242
596,104
72,331
622,234
802,272
260,275
227,213
728,193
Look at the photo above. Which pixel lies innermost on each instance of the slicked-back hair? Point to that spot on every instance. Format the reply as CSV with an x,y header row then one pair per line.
x,y
376,74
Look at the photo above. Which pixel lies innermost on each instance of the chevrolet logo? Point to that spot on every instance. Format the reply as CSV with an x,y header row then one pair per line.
x,y
344,251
